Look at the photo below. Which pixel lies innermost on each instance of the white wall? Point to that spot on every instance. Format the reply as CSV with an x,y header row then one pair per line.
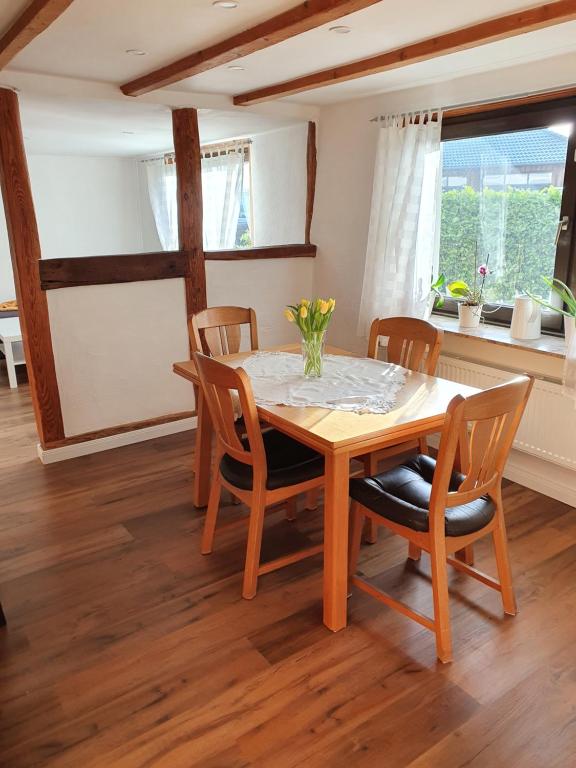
x,y
85,206
7,290
114,345
279,180
347,147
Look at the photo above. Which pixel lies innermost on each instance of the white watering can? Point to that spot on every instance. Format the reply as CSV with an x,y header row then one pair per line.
x,y
526,319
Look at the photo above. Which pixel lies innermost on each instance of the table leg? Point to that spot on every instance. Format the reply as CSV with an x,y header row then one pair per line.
x,y
9,355
336,505
202,452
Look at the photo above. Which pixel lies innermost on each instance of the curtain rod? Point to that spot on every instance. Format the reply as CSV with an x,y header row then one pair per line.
x,y
235,144
459,110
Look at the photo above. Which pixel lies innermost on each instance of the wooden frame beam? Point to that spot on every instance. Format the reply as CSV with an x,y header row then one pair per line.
x,y
462,39
31,22
295,21
188,161
311,167
25,252
136,267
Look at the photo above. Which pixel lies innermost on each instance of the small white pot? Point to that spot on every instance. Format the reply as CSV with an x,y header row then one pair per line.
x,y
469,316
569,329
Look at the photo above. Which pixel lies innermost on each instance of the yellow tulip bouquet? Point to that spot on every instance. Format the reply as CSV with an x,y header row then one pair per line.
x,y
312,318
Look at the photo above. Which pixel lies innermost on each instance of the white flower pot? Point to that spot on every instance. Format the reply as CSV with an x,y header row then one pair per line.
x,y
469,316
569,329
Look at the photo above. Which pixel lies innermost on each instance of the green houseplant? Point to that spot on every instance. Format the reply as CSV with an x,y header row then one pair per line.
x,y
567,299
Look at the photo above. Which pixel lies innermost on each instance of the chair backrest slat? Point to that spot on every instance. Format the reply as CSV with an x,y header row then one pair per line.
x,y
219,382
217,331
412,343
476,440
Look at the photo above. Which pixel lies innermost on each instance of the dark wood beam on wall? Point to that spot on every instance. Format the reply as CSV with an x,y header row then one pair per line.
x,y
135,267
311,164
190,221
490,31
25,252
106,270
33,20
295,21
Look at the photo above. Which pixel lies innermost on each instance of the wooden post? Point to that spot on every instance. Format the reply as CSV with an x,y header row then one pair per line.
x,y
311,178
189,177
25,252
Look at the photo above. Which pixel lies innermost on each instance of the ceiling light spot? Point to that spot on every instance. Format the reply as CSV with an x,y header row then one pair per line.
x,y
340,30
135,52
225,3
129,133
236,68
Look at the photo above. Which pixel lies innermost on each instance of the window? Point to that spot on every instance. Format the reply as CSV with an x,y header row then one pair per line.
x,y
520,181
226,192
226,197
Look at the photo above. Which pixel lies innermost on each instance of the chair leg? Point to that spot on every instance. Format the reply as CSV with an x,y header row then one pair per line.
x,y
370,469
356,526
441,606
211,514
466,555
257,509
312,499
414,551
291,508
503,565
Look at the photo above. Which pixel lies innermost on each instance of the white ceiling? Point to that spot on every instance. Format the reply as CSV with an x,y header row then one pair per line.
x,y
88,42
90,39
124,128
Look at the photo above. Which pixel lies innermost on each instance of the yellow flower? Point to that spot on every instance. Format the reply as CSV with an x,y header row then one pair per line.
x,y
304,303
324,306
303,312
289,315
332,303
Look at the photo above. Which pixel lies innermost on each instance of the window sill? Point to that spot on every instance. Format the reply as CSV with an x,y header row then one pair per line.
x,y
554,346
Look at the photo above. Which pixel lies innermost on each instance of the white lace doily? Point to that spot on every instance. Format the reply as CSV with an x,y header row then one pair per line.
x,y
347,383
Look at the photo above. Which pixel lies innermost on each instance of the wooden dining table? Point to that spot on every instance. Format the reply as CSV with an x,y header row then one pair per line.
x,y
419,410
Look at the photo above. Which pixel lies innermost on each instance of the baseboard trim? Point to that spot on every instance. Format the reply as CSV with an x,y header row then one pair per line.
x,y
542,476
84,448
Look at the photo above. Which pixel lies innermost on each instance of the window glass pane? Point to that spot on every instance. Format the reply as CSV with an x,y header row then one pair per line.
x,y
506,211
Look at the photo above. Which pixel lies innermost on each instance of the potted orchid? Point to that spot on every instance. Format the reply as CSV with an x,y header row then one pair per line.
x,y
312,318
470,298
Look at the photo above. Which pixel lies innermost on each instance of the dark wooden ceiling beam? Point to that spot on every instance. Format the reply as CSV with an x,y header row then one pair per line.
x,y
462,39
32,21
295,21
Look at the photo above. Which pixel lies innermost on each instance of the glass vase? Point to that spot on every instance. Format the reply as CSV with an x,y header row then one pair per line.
x,y
313,353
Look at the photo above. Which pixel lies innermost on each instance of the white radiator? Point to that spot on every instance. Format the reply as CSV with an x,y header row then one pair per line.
x,y
548,428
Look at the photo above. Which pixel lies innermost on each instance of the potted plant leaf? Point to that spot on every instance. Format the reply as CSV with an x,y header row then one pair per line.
x,y
567,300
436,298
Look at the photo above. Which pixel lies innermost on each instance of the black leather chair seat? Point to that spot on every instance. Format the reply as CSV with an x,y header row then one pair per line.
x,y
402,495
289,462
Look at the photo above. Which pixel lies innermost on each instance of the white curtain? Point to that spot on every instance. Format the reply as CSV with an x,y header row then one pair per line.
x,y
222,178
403,238
162,191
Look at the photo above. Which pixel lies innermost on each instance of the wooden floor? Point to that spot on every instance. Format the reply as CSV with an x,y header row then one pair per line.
x,y
126,647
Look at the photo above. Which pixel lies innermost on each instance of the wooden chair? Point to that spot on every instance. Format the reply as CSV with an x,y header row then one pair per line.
x,y
217,330
413,344
263,469
442,510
